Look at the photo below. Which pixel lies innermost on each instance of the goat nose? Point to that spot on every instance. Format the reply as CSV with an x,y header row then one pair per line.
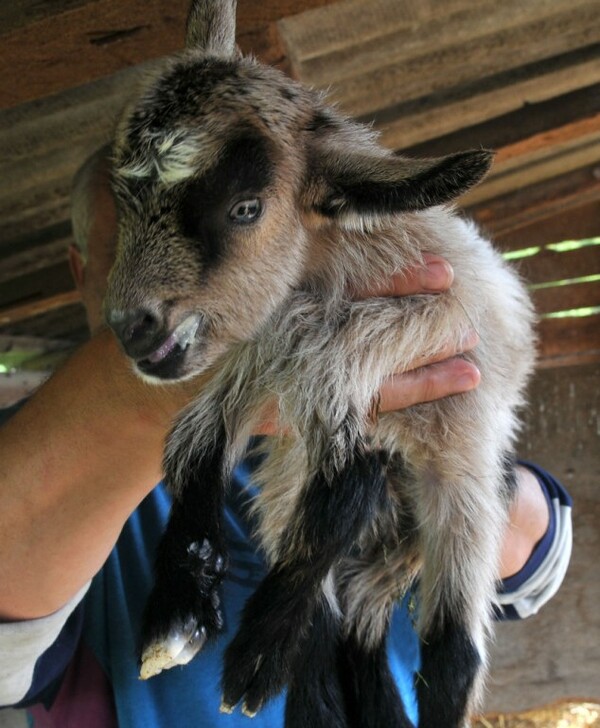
x,y
136,329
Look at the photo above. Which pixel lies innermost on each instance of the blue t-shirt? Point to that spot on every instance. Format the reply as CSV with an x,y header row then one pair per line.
x,y
191,694
99,639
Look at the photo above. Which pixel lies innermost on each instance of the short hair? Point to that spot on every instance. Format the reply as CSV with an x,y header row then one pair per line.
x,y
82,190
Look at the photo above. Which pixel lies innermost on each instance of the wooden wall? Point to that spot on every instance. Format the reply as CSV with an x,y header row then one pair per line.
x,y
519,76
556,653
434,76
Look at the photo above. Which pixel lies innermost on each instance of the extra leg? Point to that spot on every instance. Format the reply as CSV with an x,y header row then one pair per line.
x,y
331,515
183,610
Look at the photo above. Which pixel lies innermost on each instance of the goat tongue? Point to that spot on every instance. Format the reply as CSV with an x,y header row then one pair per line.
x,y
164,349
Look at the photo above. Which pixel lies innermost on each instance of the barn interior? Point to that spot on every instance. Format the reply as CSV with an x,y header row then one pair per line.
x,y
434,76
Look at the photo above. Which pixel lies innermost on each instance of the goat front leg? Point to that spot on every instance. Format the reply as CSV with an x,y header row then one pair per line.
x,y
332,512
183,610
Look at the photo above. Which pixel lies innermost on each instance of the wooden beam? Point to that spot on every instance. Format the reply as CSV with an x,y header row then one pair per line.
x,y
528,206
550,265
567,298
566,341
578,223
15,314
19,13
100,37
537,166
402,55
529,120
36,285
34,258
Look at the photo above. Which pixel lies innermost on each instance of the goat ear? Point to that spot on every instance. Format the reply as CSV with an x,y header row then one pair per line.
x,y
363,184
211,27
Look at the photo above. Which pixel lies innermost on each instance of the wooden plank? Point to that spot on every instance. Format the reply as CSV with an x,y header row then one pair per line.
x,y
393,32
564,340
44,171
528,206
566,298
536,168
41,206
549,265
15,314
17,13
33,259
34,216
552,139
528,121
556,653
61,322
51,123
578,223
102,37
43,143
441,114
510,43
330,35
94,40
36,285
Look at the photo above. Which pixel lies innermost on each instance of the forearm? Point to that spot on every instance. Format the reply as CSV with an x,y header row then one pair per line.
x,y
528,521
74,463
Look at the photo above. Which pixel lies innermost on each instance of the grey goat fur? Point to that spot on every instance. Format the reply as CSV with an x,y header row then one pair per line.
x,y
249,210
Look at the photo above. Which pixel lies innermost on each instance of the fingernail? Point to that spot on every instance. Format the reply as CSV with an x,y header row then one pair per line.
x,y
469,380
437,276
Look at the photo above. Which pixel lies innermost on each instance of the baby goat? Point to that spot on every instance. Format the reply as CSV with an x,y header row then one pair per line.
x,y
248,210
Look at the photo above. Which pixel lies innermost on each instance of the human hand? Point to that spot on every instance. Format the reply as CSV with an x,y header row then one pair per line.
x,y
428,379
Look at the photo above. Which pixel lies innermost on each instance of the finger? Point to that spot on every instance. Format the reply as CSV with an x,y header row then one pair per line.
x,y
469,342
433,277
453,376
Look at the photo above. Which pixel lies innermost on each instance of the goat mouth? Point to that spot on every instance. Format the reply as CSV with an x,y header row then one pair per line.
x,y
164,362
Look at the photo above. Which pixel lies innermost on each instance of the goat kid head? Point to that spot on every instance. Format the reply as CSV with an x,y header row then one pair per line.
x,y
229,179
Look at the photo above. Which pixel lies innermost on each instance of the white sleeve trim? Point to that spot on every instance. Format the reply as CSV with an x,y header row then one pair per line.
x,y
21,645
542,585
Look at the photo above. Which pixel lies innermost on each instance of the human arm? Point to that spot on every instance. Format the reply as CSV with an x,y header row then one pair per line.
x,y
538,543
529,518
74,463
87,448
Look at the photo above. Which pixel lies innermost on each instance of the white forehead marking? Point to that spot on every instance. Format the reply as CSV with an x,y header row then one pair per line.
x,y
174,156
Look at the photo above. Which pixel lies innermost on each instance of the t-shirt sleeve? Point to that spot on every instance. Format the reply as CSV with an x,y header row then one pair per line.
x,y
35,653
526,592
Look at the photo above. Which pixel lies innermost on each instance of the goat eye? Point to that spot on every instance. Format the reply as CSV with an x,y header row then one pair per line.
x,y
246,211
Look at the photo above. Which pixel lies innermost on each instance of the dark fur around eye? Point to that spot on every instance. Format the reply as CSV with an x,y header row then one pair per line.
x,y
244,169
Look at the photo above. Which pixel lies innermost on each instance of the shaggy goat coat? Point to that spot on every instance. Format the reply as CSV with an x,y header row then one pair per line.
x,y
249,211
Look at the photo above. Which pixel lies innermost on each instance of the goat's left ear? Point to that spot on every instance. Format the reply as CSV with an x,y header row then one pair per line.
x,y
363,184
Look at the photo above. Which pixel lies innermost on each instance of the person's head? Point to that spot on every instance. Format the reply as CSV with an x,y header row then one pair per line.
x,y
93,217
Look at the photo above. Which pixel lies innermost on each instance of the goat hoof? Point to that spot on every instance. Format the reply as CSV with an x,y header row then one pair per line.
x,y
171,636
177,648
248,712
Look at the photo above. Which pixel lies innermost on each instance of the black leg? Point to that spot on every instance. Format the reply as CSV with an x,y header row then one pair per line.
x,y
330,517
315,696
369,686
449,666
183,610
